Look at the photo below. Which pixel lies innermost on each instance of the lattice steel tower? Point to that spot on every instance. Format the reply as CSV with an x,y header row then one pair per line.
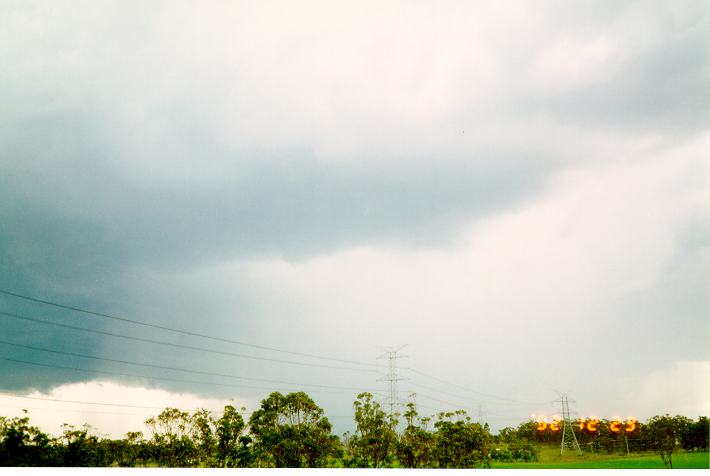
x,y
569,439
392,354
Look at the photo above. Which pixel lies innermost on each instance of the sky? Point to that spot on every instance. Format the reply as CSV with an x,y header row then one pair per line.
x,y
517,192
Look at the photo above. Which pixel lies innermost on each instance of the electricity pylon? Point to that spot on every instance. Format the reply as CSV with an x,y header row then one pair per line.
x,y
569,439
392,354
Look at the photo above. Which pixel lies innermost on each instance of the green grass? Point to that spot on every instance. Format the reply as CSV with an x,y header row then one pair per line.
x,y
550,458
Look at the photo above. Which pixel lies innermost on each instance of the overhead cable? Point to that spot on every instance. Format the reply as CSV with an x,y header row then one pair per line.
x,y
180,331
490,395
164,367
150,377
180,346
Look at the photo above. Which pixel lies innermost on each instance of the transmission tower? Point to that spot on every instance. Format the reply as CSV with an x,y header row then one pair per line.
x,y
569,439
392,354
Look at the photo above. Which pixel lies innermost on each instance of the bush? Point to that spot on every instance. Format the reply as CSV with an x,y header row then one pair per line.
x,y
523,451
502,454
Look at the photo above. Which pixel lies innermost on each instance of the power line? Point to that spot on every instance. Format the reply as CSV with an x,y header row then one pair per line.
x,y
180,346
493,416
429,397
163,367
180,331
490,395
23,407
8,395
455,405
125,405
477,401
150,377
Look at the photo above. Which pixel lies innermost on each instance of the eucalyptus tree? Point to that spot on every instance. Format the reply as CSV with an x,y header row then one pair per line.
x,y
172,443
22,444
233,445
415,446
79,447
203,427
696,438
461,443
135,453
290,431
375,435
664,433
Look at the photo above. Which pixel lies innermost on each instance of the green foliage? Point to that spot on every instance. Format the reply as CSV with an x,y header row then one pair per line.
x,y
460,443
375,435
415,447
695,436
135,451
501,454
172,443
24,445
521,450
519,444
290,431
526,431
664,433
80,448
506,435
203,437
233,449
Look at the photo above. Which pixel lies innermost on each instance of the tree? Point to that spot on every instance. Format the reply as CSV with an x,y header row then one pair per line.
x,y
697,435
506,435
203,430
232,446
135,449
24,445
460,443
171,438
415,446
375,435
663,434
291,432
80,448
520,443
526,431
694,435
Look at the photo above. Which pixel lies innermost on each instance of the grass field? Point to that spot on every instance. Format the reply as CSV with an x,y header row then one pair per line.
x,y
550,458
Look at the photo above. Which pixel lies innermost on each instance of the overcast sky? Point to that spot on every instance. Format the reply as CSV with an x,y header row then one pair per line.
x,y
518,191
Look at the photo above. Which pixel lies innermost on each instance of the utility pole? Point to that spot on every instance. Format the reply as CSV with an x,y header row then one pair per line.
x,y
569,439
626,440
392,354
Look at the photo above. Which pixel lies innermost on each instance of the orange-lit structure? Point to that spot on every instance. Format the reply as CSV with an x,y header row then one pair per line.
x,y
590,424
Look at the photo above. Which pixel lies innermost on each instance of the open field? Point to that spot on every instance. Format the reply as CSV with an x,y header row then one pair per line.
x,y
550,458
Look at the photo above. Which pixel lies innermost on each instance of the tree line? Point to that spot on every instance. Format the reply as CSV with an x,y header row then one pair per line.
x,y
662,434
292,431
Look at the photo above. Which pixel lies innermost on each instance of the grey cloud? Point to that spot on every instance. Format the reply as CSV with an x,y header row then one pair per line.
x,y
63,195
659,90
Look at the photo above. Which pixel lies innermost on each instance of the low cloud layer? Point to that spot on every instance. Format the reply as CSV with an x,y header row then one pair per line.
x,y
65,404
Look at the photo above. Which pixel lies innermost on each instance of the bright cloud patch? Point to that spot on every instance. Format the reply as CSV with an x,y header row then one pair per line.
x,y
682,388
49,413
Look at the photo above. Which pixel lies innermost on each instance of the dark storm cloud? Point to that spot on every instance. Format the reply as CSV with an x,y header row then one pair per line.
x,y
285,207
77,227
